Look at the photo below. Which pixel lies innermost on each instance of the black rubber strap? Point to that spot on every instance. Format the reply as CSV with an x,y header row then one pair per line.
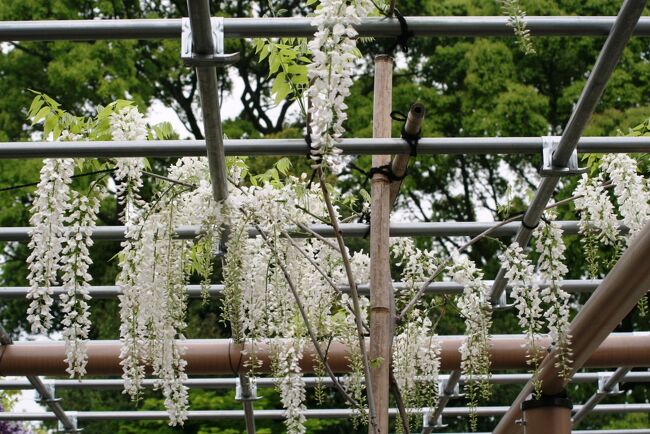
x,y
412,139
387,171
527,226
403,39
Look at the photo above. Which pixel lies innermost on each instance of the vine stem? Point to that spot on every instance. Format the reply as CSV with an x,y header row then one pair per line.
x,y
334,220
399,403
411,304
316,235
305,319
317,267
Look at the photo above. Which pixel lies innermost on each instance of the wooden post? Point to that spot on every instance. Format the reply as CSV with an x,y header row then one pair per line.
x,y
382,306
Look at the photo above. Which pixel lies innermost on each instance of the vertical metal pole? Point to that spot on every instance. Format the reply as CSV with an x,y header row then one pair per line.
x,y
382,306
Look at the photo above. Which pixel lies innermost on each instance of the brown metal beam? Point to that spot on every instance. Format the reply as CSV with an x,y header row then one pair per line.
x,y
612,301
222,356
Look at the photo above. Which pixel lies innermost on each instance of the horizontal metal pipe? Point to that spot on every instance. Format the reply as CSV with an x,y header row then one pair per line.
x,y
263,382
223,357
83,30
90,416
433,229
283,147
195,291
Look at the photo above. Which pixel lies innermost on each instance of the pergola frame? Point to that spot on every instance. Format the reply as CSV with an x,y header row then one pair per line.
x,y
618,28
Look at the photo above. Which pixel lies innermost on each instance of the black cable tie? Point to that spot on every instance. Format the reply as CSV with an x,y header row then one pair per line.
x,y
387,171
403,39
412,139
527,226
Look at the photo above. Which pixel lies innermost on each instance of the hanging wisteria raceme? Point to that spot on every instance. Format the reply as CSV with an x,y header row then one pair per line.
x,y
630,189
291,383
551,268
416,363
525,293
333,65
153,279
476,310
597,214
47,238
75,263
128,125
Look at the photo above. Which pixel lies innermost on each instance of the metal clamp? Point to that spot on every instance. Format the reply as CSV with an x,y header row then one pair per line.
x,y
252,391
549,144
455,393
603,379
217,57
50,395
438,425
72,417
503,304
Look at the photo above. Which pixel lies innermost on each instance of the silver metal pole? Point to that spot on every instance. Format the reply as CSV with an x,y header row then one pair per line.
x,y
265,382
88,416
584,108
433,229
142,29
603,390
216,290
283,147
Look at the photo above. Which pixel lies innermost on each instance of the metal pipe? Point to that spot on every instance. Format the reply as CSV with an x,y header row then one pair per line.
x,y
284,147
170,28
595,399
616,296
334,413
584,108
204,45
265,382
432,229
443,400
216,290
222,357
47,397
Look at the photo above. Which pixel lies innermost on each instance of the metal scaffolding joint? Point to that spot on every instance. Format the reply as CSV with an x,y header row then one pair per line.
x,y
191,57
247,392
549,146
605,385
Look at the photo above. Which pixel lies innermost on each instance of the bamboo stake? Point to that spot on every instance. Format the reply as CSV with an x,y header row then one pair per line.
x,y
401,161
382,305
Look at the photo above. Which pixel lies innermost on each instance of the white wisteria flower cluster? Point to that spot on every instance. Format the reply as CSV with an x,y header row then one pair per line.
x,y
259,299
333,65
476,310
47,239
76,278
520,272
630,189
597,215
416,362
128,125
551,268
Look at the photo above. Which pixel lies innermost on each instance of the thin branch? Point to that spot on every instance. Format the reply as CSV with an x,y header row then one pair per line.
x,y
316,235
305,319
355,297
399,402
164,178
318,268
